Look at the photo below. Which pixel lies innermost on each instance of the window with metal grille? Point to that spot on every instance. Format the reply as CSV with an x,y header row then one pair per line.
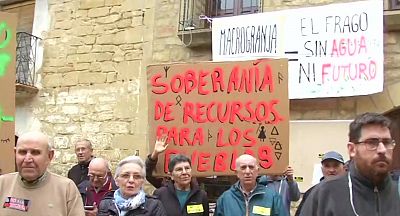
x,y
191,10
234,7
394,4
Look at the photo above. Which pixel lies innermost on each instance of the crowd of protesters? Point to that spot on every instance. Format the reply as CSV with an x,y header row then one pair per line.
x,y
361,186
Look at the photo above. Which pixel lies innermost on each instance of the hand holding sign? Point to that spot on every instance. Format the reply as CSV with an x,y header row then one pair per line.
x,y
289,173
216,122
159,147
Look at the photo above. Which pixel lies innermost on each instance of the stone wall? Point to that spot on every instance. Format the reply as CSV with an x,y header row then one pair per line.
x,y
94,79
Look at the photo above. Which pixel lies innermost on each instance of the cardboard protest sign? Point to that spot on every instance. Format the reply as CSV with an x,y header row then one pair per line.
x,y
214,112
8,23
334,50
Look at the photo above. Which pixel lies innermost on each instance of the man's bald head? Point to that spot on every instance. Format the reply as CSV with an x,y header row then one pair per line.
x,y
35,136
33,155
99,163
245,157
247,171
98,171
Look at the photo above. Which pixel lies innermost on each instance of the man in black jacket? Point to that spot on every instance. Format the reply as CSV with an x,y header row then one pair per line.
x,y
181,196
367,189
332,165
84,153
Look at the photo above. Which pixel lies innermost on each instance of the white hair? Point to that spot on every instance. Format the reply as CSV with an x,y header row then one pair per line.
x,y
134,160
243,156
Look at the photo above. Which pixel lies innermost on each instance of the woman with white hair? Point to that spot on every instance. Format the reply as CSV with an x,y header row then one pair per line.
x,y
130,198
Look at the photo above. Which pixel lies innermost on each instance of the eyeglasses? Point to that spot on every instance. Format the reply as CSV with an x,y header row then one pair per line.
x,y
373,143
180,170
91,176
127,176
245,166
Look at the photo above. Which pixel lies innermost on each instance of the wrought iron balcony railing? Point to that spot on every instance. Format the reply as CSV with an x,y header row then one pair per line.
x,y
26,57
394,5
197,14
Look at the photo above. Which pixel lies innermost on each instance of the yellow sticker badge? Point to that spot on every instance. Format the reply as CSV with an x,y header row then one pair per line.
x,y
261,210
191,209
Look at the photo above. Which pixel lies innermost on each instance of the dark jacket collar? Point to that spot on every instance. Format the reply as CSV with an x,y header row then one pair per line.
x,y
85,164
359,178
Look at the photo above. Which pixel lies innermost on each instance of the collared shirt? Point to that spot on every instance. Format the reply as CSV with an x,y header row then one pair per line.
x,y
95,195
35,182
247,195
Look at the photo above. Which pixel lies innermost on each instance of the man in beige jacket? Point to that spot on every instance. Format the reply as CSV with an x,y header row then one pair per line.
x,y
33,190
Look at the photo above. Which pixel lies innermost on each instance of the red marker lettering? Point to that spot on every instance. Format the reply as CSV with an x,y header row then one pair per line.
x,y
203,83
265,157
218,80
155,84
204,162
190,81
220,162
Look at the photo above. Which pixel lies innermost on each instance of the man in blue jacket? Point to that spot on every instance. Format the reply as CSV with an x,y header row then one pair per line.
x,y
247,197
284,185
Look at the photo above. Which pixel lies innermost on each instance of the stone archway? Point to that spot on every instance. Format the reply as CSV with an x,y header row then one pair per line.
x,y
383,102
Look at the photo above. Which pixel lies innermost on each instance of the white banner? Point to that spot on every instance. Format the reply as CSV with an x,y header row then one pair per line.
x,y
333,50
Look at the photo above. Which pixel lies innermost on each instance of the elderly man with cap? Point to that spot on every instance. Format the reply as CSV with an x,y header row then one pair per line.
x,y
33,190
332,165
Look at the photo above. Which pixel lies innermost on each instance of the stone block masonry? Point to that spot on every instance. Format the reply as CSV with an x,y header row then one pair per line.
x,y
92,76
94,79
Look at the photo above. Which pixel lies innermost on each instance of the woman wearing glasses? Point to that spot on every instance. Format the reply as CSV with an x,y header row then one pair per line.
x,y
130,198
181,196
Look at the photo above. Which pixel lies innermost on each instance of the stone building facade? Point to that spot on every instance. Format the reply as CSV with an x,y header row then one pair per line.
x,y
92,79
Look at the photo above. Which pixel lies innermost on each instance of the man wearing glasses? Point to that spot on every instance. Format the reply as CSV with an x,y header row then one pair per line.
x,y
367,189
247,197
100,185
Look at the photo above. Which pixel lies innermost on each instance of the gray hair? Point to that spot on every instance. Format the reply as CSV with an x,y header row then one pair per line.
x,y
49,145
243,156
88,142
134,160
